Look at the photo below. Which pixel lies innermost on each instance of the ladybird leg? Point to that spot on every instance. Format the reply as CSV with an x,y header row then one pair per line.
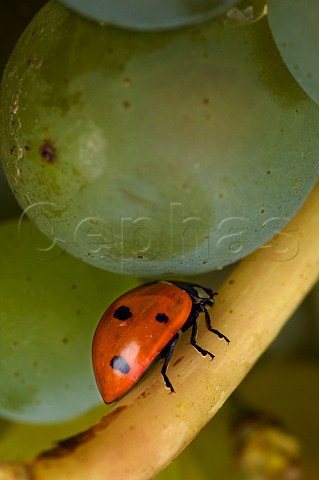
x,y
193,342
168,355
211,329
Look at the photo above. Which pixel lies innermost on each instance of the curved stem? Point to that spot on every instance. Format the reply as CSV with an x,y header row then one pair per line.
x,y
149,427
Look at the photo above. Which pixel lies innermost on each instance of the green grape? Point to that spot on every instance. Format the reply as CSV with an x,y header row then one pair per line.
x,y
294,24
50,306
8,204
150,15
156,153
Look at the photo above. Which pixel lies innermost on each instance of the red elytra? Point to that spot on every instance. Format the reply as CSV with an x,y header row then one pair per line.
x,y
141,325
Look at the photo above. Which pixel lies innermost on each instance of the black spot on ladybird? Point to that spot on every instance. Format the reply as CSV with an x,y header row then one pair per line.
x,y
122,313
162,317
120,364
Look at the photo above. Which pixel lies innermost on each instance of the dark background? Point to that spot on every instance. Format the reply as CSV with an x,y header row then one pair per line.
x,y
14,17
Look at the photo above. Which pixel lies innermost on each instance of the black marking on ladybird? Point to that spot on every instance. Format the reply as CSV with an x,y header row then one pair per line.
x,y
122,313
48,152
120,364
162,318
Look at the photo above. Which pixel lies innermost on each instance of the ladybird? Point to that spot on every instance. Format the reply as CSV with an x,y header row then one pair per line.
x,y
144,324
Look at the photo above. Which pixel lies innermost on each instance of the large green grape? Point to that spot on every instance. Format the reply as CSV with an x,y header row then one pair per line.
x,y
50,305
154,153
150,15
294,24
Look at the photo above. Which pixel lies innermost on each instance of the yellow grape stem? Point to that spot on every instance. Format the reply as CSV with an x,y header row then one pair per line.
x,y
149,427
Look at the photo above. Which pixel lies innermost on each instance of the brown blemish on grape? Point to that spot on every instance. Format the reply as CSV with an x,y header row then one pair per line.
x,y
126,104
27,148
69,445
48,152
73,287
126,82
65,340
268,172
231,281
205,101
